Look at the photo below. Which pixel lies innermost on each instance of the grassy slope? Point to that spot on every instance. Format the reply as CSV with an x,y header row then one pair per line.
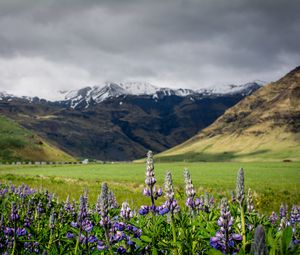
x,y
19,144
262,127
272,183
276,146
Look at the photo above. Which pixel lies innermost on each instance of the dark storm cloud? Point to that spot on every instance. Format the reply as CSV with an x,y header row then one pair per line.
x,y
188,43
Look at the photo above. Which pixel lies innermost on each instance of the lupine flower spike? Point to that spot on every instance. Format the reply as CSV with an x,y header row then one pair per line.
x,y
250,206
170,205
150,191
126,212
240,196
225,240
189,190
258,246
240,189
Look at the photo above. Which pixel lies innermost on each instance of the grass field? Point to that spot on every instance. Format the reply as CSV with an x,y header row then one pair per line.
x,y
272,183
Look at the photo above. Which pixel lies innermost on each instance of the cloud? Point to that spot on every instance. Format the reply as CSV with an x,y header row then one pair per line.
x,y
181,43
36,76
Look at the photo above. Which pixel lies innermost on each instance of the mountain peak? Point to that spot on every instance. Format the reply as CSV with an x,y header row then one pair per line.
x,y
98,94
4,94
295,71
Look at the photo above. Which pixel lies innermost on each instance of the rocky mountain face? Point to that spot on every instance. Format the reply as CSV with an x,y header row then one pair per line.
x,y
266,124
121,121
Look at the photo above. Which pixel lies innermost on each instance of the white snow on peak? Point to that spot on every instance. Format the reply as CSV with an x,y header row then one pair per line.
x,y
139,88
4,94
108,90
230,88
98,93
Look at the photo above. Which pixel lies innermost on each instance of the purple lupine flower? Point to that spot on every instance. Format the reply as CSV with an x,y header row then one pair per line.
x,y
103,201
82,213
9,231
163,210
120,226
40,208
144,210
130,242
224,240
14,212
146,192
249,200
136,232
70,235
295,215
240,187
189,187
51,220
258,246
189,190
67,205
50,196
87,225
105,221
233,199
98,207
169,188
199,203
112,201
208,202
101,246
29,214
170,204
92,239
283,211
159,193
21,232
116,236
121,250
74,224
150,179
150,191
273,218
83,239
284,222
126,212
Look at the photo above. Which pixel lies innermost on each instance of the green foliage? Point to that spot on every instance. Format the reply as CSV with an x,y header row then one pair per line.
x,y
193,231
36,222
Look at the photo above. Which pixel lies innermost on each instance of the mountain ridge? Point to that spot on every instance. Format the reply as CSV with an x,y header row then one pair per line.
x,y
86,96
264,124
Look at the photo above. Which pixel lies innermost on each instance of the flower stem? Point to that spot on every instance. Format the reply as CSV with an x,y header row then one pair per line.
x,y
174,234
243,226
77,242
107,240
15,238
50,239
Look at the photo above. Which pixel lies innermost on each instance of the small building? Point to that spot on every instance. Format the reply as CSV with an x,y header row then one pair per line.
x,y
85,161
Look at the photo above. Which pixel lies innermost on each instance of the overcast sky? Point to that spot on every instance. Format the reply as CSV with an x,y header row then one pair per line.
x,y
51,45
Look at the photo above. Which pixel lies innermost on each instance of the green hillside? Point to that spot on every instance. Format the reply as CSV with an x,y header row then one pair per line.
x,y
264,126
19,144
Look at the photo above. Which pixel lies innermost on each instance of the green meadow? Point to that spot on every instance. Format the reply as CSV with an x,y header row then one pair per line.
x,y
271,183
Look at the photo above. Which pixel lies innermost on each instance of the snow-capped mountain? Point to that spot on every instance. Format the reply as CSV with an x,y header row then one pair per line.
x,y
120,121
4,95
97,94
244,89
